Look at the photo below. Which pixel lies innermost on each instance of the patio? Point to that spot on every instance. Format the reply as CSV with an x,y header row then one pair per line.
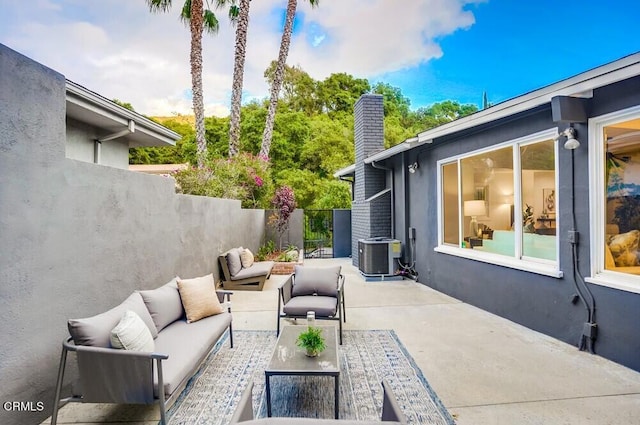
x,y
485,369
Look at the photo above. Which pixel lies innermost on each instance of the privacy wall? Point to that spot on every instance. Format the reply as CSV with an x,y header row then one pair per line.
x,y
78,238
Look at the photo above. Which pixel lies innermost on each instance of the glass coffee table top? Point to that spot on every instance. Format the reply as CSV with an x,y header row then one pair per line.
x,y
288,357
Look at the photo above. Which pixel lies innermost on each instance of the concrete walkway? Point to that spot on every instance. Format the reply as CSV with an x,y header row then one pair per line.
x,y
486,370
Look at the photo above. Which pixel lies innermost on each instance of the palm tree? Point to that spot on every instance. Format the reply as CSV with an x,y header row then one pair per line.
x,y
242,26
199,19
278,75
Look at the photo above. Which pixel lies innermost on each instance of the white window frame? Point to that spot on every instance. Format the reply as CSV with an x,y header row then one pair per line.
x,y
519,262
599,275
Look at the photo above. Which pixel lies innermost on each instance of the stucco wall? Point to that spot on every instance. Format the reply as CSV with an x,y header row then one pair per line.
x,y
78,238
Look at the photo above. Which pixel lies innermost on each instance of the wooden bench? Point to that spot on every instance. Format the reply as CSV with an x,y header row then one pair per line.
x,y
250,279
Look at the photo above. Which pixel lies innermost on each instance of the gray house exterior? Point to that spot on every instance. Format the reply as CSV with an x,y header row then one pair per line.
x,y
556,247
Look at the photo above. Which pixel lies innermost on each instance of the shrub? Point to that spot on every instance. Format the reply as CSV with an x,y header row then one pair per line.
x,y
245,177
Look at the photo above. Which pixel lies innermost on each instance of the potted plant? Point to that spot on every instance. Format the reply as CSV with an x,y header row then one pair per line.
x,y
312,341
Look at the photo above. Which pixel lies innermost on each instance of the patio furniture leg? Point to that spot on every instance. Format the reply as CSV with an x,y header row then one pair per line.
x,y
337,395
268,387
163,412
279,316
56,401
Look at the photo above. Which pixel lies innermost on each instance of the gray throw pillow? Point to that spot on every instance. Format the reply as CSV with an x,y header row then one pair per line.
x,y
233,260
316,281
96,330
164,304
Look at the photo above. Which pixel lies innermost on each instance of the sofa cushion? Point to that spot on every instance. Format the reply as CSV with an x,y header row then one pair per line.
x,y
131,333
246,258
96,330
187,345
233,261
322,306
164,304
199,297
316,280
260,268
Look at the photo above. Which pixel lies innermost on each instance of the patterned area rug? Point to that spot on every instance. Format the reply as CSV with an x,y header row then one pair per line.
x,y
365,358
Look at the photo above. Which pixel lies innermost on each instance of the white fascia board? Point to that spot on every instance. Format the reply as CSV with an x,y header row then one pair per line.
x,y
578,85
394,150
345,171
100,105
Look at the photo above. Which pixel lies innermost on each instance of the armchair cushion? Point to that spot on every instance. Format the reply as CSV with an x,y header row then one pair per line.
x,y
164,304
199,297
132,334
96,330
233,261
322,306
316,281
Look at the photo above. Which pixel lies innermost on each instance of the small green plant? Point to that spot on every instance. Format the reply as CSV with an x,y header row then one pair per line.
x,y
312,341
266,250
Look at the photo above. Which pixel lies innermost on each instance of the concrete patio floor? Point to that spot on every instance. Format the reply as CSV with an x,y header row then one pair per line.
x,y
485,369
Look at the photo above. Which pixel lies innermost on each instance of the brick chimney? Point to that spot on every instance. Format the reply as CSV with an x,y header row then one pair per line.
x,y
371,206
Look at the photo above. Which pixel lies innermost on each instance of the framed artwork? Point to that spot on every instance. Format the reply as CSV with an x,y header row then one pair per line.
x,y
549,200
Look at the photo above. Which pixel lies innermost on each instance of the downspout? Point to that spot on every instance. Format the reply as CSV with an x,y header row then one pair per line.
x,y
351,181
393,214
97,144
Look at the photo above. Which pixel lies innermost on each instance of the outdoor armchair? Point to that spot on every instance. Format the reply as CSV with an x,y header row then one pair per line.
x,y
317,289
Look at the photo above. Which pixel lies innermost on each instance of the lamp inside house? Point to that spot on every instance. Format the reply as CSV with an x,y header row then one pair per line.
x,y
474,208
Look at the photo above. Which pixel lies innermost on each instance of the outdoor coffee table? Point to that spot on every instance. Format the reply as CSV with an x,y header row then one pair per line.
x,y
289,359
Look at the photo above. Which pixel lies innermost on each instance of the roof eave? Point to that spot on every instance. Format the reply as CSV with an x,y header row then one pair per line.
x,y
92,103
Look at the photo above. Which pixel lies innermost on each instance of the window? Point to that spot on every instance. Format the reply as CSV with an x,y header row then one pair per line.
x,y
616,164
499,205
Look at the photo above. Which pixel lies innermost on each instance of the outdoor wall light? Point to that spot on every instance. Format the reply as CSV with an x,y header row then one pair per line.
x,y
413,167
571,143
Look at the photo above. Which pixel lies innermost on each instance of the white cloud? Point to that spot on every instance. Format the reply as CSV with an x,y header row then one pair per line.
x,y
120,50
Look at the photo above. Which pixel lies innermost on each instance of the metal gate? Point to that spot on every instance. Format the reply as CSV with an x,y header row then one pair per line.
x,y
318,234
327,233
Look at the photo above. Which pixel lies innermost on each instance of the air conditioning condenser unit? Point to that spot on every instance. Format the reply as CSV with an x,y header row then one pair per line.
x,y
377,256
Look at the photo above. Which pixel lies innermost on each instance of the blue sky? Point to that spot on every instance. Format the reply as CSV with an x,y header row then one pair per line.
x,y
518,46
433,50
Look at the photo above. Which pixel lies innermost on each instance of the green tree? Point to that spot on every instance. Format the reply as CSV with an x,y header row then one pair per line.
x,y
299,90
330,144
267,135
339,92
394,102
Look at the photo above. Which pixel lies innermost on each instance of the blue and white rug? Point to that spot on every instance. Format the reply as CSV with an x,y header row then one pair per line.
x,y
365,358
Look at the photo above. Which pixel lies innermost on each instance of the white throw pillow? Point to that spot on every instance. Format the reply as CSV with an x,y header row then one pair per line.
x,y
132,334
247,258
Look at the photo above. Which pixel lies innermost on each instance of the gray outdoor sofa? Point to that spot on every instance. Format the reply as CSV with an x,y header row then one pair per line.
x,y
391,412
113,375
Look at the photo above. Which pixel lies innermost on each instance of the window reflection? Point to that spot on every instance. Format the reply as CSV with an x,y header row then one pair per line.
x,y
622,203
